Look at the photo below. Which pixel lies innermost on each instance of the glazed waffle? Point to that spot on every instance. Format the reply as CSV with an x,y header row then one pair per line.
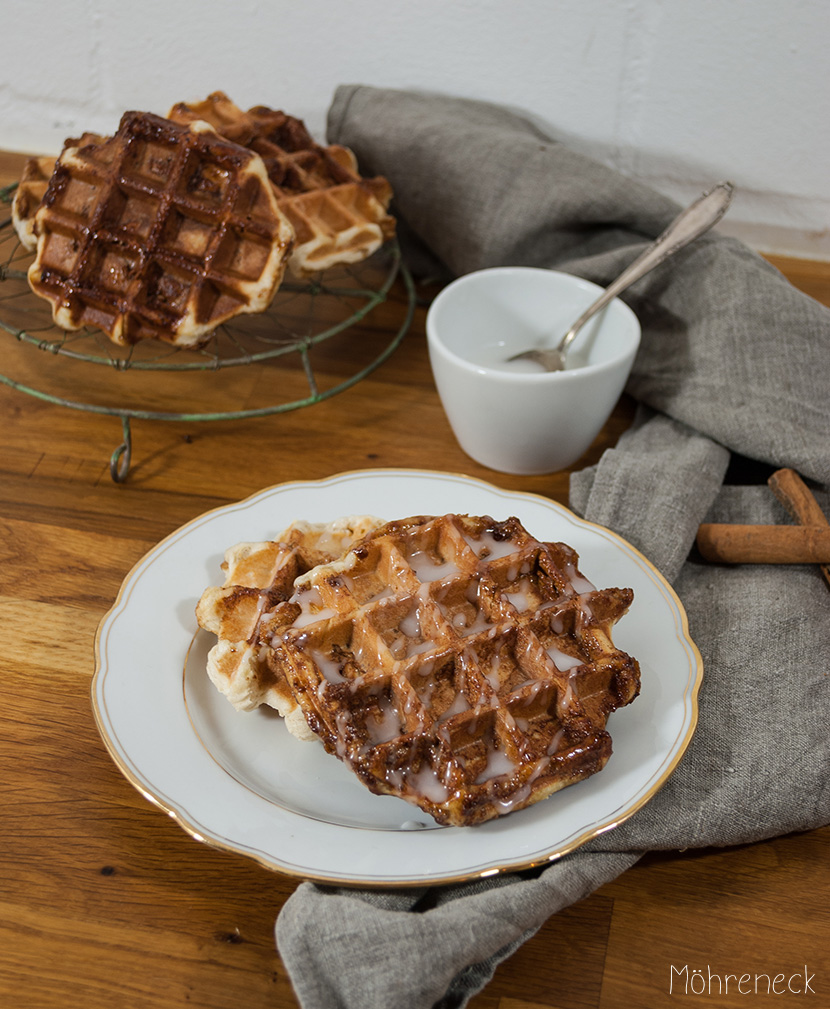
x,y
458,663
338,217
161,231
259,576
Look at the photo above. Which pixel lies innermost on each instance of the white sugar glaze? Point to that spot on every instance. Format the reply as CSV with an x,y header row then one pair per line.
x,y
329,667
385,726
312,607
487,547
521,597
498,764
430,569
562,660
579,582
425,781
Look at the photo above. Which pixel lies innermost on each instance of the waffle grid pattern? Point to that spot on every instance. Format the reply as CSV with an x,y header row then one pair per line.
x,y
456,662
258,577
161,231
338,216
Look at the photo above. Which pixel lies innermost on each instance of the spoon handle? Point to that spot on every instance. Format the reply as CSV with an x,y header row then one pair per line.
x,y
690,224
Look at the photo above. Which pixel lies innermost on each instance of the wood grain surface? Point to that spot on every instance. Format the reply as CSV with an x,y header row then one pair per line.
x,y
106,902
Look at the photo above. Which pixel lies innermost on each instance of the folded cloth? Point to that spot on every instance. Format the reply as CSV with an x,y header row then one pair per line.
x,y
733,360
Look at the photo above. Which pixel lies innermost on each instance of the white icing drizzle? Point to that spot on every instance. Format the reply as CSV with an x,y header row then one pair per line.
x,y
425,781
531,654
520,598
311,606
567,697
343,722
562,660
462,625
411,624
262,602
520,796
579,582
385,726
553,745
329,667
426,686
428,568
458,705
487,547
498,764
533,689
492,674
415,646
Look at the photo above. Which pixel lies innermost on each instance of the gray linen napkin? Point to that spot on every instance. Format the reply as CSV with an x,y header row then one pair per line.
x,y
729,347
478,186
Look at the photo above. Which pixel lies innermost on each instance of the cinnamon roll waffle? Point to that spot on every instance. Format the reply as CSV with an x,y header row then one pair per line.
x,y
456,662
258,577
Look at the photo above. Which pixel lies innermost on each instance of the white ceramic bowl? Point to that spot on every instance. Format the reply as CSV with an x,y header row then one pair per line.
x,y
514,417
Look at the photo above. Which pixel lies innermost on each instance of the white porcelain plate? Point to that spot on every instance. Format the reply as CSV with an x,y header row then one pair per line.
x,y
242,782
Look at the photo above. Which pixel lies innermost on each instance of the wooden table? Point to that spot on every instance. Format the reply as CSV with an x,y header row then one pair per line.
x,y
106,902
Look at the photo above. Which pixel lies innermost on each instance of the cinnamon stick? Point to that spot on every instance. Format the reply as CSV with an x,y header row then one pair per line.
x,y
796,497
761,544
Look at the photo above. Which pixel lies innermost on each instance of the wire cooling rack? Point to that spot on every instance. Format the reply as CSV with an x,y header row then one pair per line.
x,y
306,319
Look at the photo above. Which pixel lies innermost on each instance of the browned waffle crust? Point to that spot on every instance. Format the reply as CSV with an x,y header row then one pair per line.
x,y
457,662
161,231
33,183
338,216
258,577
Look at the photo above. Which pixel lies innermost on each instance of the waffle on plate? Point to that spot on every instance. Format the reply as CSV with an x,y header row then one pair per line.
x,y
454,661
258,577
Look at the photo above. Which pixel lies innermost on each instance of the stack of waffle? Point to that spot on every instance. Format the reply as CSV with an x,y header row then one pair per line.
x,y
454,661
173,226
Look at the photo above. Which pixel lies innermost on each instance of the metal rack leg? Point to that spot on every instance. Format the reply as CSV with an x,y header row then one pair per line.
x,y
120,458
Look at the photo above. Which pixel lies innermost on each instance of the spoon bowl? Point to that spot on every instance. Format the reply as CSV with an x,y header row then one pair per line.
x,y
516,418
690,224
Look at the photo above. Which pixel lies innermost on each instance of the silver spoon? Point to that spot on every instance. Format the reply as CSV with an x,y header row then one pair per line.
x,y
693,222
